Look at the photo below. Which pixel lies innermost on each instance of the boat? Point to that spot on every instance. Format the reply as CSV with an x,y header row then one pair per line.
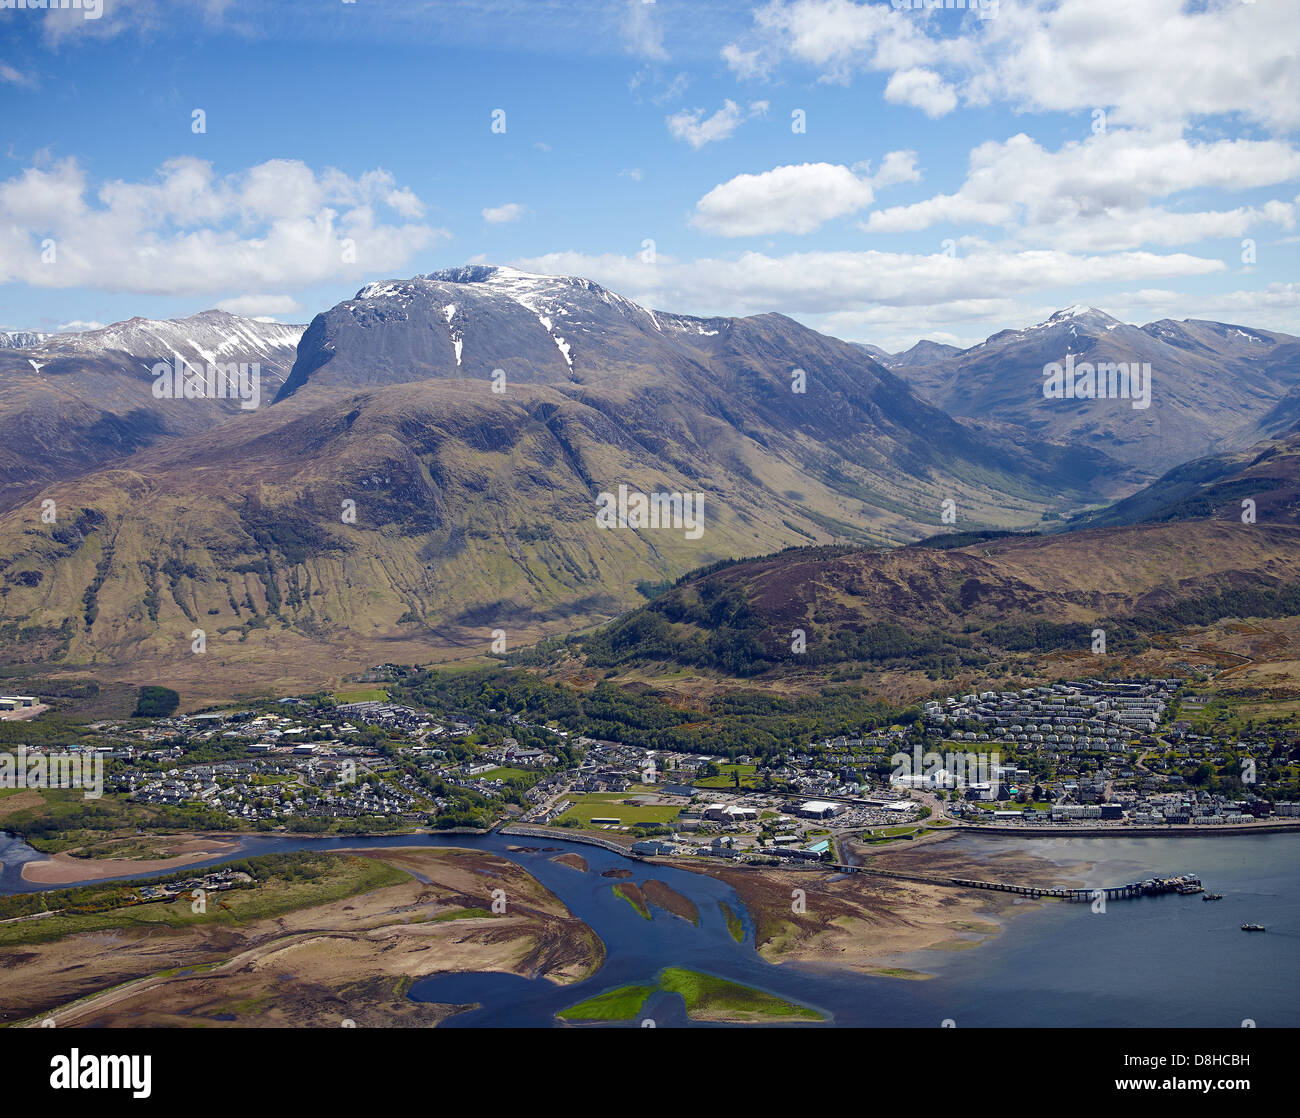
x,y
1252,927
1212,897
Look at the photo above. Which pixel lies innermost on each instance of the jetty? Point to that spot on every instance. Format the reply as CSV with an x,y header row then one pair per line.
x,y
1187,883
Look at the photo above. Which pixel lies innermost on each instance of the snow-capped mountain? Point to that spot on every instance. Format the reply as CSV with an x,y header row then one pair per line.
x,y
72,402
22,339
1212,384
209,336
471,321
474,505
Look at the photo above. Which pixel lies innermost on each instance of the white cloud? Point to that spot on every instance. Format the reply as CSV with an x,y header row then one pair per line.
x,y
894,299
651,83
111,18
261,307
692,126
115,17
897,167
922,89
819,283
78,326
502,215
189,231
792,199
16,77
746,64
642,32
1273,307
961,322
1100,193
835,36
1160,61
798,198
967,322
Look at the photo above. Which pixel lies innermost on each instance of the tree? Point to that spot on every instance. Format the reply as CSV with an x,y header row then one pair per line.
x,y
155,702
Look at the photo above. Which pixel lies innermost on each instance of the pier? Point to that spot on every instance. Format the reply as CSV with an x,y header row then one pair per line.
x,y
1185,884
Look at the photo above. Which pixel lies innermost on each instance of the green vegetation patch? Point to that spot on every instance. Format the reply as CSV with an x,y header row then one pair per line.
x,y
156,702
734,924
508,773
633,895
281,883
65,819
731,776
460,914
709,998
610,805
621,1004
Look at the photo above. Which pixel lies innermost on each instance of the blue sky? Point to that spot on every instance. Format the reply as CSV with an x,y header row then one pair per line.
x,y
960,171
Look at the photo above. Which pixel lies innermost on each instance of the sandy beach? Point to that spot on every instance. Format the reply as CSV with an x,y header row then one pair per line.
x,y
352,958
61,869
864,922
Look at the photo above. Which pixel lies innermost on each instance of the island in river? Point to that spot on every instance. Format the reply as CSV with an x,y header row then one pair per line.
x,y
414,931
283,954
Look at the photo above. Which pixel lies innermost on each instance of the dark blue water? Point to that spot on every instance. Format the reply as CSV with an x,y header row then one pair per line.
x,y
1155,962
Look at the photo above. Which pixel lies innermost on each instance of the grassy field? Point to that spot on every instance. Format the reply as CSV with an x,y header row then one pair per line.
x,y
726,778
283,883
707,998
890,835
505,772
1237,715
610,805
621,1004
362,695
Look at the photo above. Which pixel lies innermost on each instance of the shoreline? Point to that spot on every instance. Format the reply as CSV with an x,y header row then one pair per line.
x,y
1173,830
365,948
66,869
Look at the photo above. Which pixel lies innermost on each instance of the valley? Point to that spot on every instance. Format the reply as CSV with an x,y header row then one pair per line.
x,y
507,560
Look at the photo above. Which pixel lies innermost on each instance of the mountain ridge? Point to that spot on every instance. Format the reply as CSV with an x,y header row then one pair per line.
x,y
76,402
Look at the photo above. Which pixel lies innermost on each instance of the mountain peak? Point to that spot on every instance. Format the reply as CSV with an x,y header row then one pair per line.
x,y
493,274
512,282
1078,312
550,298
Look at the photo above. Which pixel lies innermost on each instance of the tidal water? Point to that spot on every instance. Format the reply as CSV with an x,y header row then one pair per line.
x,y
1165,962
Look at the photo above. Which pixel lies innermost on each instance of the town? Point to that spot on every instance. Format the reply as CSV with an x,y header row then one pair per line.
x,y
1097,754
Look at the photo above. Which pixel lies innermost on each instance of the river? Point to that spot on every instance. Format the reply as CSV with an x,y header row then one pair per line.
x,y
1164,962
